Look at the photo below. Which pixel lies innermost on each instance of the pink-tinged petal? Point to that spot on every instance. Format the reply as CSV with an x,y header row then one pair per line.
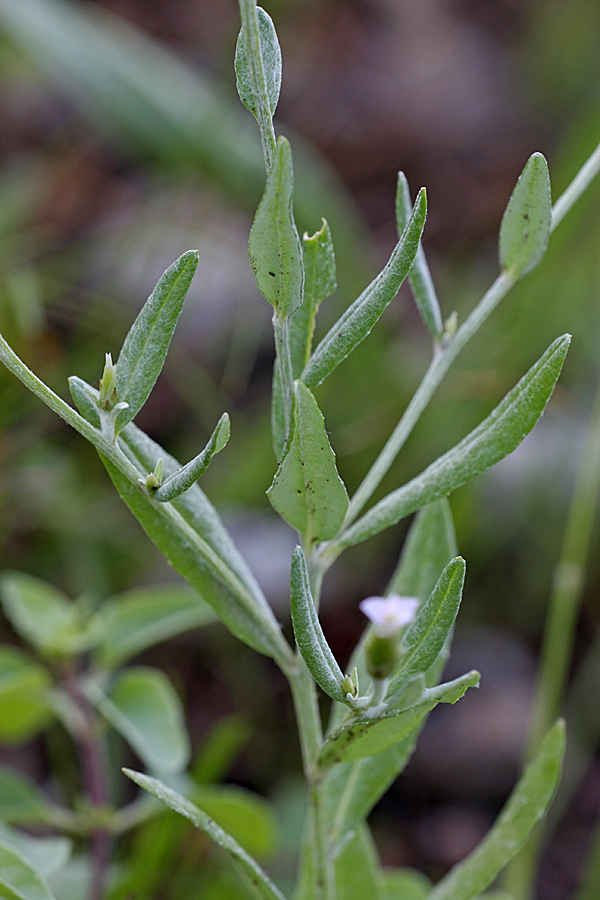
x,y
390,614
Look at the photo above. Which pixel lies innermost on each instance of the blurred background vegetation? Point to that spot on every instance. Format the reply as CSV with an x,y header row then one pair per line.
x,y
123,144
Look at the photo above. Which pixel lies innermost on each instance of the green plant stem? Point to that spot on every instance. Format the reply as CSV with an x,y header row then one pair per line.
x,y
433,377
115,455
255,66
311,738
557,645
445,356
578,186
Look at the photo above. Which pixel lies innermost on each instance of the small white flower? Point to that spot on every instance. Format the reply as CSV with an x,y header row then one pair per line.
x,y
389,614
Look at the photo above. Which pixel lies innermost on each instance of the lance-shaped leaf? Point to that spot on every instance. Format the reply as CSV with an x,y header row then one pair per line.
x,y
358,873
525,227
26,706
258,881
18,879
355,787
319,282
429,546
525,807
142,705
492,440
358,320
307,490
182,480
372,733
85,399
270,53
419,276
144,350
426,636
191,535
274,246
311,641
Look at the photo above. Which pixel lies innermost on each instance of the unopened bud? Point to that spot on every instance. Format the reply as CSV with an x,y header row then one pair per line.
x,y
108,385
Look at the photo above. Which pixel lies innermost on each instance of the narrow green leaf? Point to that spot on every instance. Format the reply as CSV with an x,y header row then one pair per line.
x,y
428,548
182,480
373,733
19,879
197,545
425,638
358,320
307,490
142,705
85,399
145,616
525,227
271,60
46,617
257,880
419,276
144,350
319,282
25,705
405,884
20,798
358,875
525,807
354,788
311,641
247,817
492,440
274,246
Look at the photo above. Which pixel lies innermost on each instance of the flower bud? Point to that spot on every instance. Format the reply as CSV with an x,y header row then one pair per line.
x,y
108,385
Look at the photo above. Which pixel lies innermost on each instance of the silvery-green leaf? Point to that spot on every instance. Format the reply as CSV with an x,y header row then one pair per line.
x,y
492,440
525,807
311,641
258,881
374,732
249,818
145,348
271,62
307,491
319,282
182,480
355,787
142,705
429,546
419,276
274,245
143,617
424,639
525,227
358,875
358,320
18,879
85,400
199,548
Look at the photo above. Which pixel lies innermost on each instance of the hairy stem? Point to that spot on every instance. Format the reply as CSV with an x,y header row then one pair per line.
x,y
444,357
311,738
